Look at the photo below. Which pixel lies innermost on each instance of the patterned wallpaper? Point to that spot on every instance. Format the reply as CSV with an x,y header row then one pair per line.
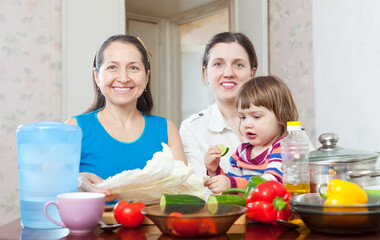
x,y
30,82
30,72
291,54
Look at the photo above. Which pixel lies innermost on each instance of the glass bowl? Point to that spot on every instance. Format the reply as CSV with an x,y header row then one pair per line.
x,y
338,219
194,220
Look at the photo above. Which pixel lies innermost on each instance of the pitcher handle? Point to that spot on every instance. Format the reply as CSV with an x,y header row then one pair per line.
x,y
47,215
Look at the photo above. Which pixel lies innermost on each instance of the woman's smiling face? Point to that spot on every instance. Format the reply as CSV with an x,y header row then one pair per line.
x,y
227,70
121,78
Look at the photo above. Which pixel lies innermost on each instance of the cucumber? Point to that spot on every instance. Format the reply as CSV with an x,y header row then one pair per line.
x,y
223,149
214,201
181,203
234,190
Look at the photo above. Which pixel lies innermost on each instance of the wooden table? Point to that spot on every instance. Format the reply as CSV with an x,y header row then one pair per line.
x,y
252,231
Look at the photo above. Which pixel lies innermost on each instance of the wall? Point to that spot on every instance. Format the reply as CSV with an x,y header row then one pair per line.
x,y
291,54
32,87
30,82
347,70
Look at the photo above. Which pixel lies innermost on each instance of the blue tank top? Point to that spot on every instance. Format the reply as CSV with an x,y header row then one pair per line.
x,y
105,156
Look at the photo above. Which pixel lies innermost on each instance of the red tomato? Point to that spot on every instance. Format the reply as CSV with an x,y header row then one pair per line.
x,y
170,219
182,226
129,214
206,226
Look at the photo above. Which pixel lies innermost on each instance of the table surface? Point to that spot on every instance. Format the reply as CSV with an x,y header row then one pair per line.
x,y
13,230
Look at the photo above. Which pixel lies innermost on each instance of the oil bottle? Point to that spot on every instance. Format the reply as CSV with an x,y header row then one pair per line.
x,y
295,159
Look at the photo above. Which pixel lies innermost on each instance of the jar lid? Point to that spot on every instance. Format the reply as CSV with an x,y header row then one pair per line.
x,y
332,153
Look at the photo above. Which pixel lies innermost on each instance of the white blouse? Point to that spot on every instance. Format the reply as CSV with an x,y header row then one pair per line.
x,y
202,130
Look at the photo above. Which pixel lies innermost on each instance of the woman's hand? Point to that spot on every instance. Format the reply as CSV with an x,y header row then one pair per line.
x,y
218,184
212,160
87,181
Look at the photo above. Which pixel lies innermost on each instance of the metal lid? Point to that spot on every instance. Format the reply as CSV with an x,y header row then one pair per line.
x,y
331,153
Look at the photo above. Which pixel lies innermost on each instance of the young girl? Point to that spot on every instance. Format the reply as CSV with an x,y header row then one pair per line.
x,y
265,105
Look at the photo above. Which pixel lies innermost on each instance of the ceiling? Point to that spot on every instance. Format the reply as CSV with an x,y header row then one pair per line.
x,y
164,8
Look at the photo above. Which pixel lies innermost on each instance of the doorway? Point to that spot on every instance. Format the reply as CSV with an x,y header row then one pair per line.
x,y
194,36
176,32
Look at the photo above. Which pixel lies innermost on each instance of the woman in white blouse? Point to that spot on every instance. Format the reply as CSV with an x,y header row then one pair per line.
x,y
228,62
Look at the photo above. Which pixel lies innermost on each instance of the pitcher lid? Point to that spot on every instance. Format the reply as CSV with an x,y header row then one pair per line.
x,y
47,126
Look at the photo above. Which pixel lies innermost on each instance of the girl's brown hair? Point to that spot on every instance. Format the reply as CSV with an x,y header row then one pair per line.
x,y
145,101
269,92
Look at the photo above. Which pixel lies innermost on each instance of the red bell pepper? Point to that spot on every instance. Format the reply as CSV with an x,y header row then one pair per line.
x,y
268,202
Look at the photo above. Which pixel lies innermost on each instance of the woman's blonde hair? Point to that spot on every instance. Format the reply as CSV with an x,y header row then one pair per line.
x,y
269,92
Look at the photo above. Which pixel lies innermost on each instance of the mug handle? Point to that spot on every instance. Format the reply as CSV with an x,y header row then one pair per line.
x,y
51,219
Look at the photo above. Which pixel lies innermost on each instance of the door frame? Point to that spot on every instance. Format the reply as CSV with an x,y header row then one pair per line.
x,y
80,40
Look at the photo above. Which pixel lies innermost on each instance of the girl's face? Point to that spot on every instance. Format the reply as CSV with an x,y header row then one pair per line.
x,y
259,125
121,78
227,70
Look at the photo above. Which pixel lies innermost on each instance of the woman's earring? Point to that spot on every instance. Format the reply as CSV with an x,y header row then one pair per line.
x,y
145,90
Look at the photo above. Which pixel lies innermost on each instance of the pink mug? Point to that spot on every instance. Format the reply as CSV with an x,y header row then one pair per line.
x,y
79,211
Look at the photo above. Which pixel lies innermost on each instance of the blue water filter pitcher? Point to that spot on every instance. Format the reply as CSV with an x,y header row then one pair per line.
x,y
48,155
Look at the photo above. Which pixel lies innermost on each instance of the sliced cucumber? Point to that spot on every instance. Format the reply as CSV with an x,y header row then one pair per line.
x,y
214,201
223,149
181,203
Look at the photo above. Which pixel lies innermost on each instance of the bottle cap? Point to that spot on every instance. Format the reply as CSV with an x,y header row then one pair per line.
x,y
293,125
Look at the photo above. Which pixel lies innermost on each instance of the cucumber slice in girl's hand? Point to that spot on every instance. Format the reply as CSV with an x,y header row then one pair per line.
x,y
223,149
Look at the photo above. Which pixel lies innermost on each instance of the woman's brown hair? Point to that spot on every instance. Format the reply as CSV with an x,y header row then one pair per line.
x,y
269,92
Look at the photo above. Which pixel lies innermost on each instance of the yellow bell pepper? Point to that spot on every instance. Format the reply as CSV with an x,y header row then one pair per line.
x,y
340,192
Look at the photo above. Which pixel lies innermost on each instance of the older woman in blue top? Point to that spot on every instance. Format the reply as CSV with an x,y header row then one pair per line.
x,y
119,133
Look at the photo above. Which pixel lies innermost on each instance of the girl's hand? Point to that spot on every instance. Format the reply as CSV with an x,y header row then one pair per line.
x,y
87,181
218,184
212,160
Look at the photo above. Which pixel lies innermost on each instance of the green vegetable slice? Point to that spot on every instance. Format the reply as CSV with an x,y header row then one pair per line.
x,y
223,149
181,203
214,201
